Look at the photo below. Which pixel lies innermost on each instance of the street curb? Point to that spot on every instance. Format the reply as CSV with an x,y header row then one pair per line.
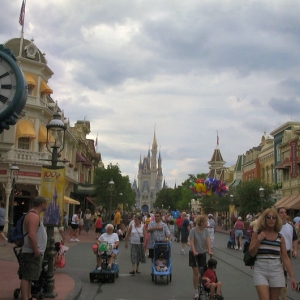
x,y
74,295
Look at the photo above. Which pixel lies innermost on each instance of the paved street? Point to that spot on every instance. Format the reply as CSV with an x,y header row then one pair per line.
x,y
236,278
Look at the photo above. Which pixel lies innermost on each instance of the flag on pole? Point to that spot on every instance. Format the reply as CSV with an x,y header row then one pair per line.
x,y
96,142
22,14
217,138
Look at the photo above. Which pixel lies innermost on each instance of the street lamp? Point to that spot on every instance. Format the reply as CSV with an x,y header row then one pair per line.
x,y
14,172
231,209
55,144
262,195
111,187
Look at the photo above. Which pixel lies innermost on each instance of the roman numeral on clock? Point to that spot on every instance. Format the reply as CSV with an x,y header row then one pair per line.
x,y
3,99
6,86
4,75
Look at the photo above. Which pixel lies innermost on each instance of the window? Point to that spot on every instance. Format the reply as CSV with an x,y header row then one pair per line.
x,y
23,143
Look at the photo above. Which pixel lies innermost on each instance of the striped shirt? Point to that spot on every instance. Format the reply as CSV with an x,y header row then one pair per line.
x,y
269,249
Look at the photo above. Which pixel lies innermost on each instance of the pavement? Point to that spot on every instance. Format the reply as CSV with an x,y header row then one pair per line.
x,y
66,286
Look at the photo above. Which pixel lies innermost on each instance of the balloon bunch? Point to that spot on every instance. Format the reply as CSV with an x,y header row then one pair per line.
x,y
208,187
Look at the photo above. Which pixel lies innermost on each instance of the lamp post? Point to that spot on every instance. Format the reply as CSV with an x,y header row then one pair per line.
x,y
55,144
14,172
231,209
262,195
111,187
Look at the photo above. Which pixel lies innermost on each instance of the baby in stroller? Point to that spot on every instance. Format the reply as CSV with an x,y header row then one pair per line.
x,y
210,281
161,263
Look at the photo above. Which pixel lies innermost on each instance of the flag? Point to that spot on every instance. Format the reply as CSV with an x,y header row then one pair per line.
x,y
22,14
96,142
217,138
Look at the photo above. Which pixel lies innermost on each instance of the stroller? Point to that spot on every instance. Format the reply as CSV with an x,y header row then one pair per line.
x,y
231,240
37,286
161,251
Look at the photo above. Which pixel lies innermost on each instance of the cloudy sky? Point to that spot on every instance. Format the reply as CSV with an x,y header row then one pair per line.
x,y
187,68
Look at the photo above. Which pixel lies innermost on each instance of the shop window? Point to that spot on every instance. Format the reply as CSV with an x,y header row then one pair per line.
x,y
23,143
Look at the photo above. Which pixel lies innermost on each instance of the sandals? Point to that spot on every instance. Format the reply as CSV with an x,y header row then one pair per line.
x,y
137,271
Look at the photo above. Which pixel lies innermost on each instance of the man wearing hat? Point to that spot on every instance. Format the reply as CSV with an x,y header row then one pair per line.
x,y
35,241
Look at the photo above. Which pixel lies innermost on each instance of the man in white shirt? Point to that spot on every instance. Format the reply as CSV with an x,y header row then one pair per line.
x,y
291,241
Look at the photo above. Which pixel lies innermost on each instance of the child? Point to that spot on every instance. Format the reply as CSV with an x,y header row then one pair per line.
x,y
210,282
161,263
98,226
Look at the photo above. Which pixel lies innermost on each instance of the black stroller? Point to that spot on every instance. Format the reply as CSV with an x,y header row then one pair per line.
x,y
37,286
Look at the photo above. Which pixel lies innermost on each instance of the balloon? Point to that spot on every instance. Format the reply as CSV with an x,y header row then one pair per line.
x,y
208,186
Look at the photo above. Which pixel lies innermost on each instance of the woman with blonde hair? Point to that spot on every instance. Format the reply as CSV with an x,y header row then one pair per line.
x,y
200,245
269,247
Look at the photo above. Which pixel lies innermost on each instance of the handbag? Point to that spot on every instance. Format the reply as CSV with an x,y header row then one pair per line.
x,y
248,259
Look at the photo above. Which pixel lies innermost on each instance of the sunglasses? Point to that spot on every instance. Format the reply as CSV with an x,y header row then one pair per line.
x,y
157,216
271,217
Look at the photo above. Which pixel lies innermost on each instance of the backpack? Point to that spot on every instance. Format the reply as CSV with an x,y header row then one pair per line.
x,y
16,234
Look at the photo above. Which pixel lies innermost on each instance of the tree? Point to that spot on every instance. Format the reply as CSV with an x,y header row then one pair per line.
x,y
120,193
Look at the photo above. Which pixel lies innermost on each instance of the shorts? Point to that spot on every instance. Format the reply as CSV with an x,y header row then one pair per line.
x,y
184,238
1,228
32,266
197,261
98,230
238,233
74,226
268,272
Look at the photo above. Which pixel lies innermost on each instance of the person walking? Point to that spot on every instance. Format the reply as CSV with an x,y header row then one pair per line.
x,y
200,245
35,242
185,230
179,221
238,233
137,233
117,219
159,232
74,228
291,241
2,222
211,224
87,220
270,249
98,226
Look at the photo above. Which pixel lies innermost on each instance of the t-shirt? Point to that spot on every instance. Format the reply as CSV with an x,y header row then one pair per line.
x,y
179,222
184,226
199,239
239,225
210,274
109,238
117,218
136,233
289,234
98,223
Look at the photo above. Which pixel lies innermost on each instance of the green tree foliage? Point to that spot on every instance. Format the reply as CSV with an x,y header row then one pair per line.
x,y
121,186
247,198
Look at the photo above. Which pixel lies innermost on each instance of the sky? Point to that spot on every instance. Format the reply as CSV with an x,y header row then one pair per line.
x,y
186,69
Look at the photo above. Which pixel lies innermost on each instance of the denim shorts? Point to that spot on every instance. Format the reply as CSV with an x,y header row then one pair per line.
x,y
268,272
238,233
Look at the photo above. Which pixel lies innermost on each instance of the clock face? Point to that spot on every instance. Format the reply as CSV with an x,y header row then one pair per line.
x,y
8,84
13,89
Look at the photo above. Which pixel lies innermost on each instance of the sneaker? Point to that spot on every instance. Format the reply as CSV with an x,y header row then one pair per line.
x,y
108,267
72,240
236,247
99,269
182,252
5,241
196,295
76,240
241,248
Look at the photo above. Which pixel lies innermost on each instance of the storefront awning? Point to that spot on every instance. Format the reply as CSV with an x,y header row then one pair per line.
x,y
286,201
42,134
29,79
25,129
80,158
295,203
45,88
236,182
285,164
90,200
68,200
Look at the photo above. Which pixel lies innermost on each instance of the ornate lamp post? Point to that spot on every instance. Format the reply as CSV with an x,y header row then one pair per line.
x,y
111,187
14,172
55,144
231,209
262,195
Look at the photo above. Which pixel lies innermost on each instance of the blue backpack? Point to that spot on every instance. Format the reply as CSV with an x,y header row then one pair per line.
x,y
16,234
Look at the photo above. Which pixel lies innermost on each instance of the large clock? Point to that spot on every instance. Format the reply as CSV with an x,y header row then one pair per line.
x,y
13,89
